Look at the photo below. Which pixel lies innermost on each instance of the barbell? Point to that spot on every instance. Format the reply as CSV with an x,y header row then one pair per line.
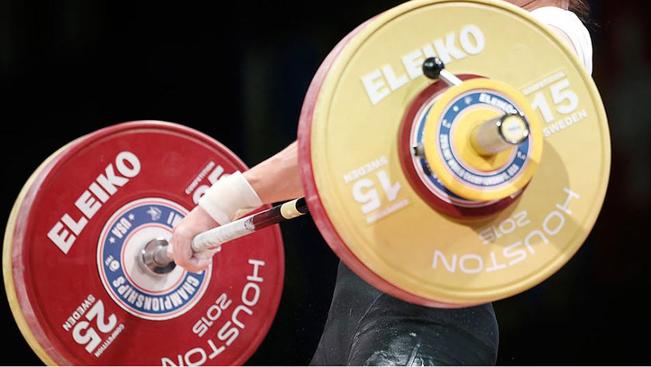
x,y
452,153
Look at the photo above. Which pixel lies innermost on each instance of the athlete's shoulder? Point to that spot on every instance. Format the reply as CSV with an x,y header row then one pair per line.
x,y
568,23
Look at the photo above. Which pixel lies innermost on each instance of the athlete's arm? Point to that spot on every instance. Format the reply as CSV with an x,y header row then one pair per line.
x,y
277,178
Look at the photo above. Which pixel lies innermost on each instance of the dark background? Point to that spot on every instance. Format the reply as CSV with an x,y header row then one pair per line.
x,y
239,72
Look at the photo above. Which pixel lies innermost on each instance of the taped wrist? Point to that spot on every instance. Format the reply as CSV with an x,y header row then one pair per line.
x,y
229,197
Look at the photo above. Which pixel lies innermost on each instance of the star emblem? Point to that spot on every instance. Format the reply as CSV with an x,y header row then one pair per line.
x,y
155,213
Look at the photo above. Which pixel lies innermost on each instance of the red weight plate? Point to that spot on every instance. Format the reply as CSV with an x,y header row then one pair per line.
x,y
76,287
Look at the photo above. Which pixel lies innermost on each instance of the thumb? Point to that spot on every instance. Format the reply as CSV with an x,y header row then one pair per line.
x,y
200,264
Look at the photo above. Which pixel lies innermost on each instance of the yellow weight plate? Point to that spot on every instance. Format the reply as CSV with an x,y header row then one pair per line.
x,y
365,207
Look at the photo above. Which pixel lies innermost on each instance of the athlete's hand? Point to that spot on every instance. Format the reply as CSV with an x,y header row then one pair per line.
x,y
197,221
229,197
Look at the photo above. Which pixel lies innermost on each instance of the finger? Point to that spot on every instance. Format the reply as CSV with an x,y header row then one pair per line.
x,y
182,248
196,265
203,264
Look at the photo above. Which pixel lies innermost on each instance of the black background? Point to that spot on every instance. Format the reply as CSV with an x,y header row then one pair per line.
x,y
238,71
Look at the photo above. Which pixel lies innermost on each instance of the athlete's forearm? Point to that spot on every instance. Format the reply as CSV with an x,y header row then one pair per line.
x,y
277,178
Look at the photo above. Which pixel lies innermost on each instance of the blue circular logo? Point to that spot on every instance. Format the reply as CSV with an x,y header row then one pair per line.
x,y
133,287
456,166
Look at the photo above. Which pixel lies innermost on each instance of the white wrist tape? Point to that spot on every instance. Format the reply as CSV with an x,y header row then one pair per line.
x,y
229,197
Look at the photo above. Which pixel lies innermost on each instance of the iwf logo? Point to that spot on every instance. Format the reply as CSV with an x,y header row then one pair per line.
x,y
136,290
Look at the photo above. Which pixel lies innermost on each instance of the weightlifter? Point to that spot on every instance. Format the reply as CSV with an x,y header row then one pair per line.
x,y
366,326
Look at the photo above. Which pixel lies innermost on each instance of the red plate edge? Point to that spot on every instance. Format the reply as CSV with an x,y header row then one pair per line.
x,y
317,210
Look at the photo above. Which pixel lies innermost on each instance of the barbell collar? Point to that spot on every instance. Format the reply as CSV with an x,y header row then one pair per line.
x,y
500,134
